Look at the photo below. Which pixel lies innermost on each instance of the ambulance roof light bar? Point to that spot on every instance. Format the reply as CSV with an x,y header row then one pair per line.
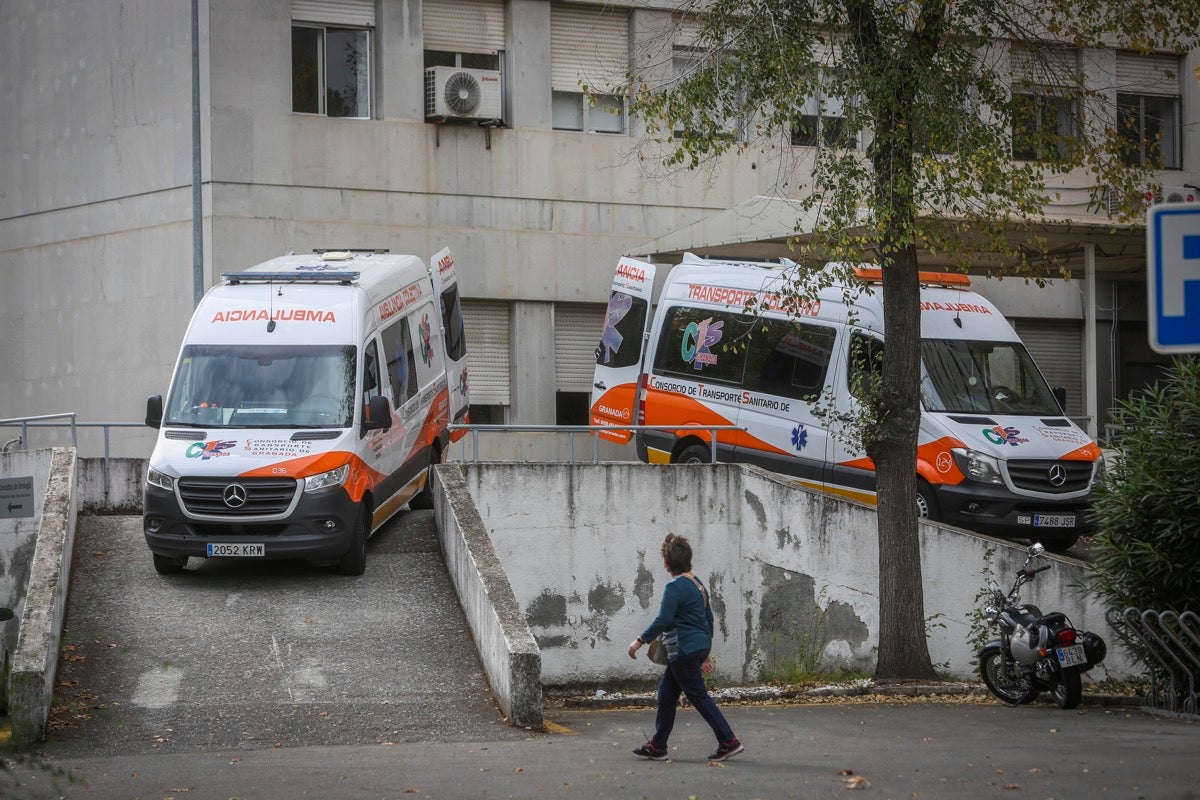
x,y
296,276
951,279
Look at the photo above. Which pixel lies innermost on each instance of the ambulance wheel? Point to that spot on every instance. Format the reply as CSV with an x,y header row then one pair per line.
x,y
169,565
354,562
927,505
695,454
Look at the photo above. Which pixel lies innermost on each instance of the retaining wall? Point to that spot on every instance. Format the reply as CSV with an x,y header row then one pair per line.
x,y
793,574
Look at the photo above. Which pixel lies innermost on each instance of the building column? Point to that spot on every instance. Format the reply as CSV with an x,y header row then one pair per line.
x,y
532,391
1090,383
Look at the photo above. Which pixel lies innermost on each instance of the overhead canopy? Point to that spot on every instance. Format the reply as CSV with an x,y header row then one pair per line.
x,y
765,227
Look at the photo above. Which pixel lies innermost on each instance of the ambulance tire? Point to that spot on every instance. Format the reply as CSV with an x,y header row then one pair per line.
x,y
927,504
169,565
354,562
695,454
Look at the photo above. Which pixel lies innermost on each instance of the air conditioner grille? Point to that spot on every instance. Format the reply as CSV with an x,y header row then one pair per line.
x,y
462,93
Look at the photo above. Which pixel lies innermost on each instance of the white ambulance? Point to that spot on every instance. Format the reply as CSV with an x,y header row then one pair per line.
x,y
996,452
309,403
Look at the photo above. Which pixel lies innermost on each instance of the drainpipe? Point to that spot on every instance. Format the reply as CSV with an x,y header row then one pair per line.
x,y
197,207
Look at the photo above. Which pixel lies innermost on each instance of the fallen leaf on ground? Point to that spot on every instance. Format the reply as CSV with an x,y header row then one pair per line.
x,y
857,782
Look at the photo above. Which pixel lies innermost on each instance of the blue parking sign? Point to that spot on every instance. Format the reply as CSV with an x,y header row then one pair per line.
x,y
1173,277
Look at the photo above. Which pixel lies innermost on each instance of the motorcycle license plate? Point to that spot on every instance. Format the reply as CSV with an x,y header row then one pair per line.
x,y
236,550
1072,656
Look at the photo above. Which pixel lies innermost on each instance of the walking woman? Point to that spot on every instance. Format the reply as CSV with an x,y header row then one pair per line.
x,y
686,621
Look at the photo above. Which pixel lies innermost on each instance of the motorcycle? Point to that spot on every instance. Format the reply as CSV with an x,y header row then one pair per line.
x,y
1036,652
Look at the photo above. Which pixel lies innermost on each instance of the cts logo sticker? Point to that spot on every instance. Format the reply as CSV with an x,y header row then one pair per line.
x,y
698,338
206,450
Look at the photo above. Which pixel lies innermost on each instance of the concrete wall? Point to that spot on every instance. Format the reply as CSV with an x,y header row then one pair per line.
x,y
34,661
502,636
18,534
793,574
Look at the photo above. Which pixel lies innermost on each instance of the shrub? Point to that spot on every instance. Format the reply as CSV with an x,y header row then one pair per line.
x,y
1148,507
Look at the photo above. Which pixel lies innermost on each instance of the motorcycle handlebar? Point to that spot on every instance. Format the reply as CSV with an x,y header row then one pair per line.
x,y
1031,572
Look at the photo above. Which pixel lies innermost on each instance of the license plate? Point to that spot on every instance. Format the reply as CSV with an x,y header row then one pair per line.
x,y
1072,656
1054,520
236,550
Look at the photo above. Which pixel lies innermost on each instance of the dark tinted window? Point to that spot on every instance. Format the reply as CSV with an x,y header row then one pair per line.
x,y
788,358
456,339
624,323
703,344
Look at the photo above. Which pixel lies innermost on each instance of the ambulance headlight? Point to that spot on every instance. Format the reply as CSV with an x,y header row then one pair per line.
x,y
978,466
160,479
335,477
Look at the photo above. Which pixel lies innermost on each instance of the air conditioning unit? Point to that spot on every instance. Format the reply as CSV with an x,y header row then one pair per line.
x,y
453,93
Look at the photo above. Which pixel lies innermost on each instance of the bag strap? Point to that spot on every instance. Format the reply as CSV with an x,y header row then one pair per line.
x,y
703,593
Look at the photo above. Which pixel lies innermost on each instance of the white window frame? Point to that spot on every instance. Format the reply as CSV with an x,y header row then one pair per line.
x,y
1171,149
589,110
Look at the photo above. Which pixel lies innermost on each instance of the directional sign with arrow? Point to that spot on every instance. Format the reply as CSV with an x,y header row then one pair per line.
x,y
16,497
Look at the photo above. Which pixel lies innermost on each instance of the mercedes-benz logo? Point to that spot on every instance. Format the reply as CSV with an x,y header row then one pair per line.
x,y
235,495
1057,475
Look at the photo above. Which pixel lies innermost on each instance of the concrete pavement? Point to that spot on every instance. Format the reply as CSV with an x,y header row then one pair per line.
x,y
923,749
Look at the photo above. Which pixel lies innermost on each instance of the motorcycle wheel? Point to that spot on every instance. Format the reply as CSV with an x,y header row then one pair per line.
x,y
1069,689
1003,680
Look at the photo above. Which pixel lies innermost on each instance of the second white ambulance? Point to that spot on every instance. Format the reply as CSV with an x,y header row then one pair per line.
x,y
996,452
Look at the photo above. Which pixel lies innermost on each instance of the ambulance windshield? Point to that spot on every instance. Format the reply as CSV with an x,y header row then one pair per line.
x,y
983,377
287,386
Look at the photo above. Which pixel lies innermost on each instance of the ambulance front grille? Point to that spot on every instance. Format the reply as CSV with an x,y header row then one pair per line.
x,y
1049,476
219,497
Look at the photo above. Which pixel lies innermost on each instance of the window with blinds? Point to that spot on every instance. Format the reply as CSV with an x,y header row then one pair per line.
x,y
1148,110
489,359
331,57
589,45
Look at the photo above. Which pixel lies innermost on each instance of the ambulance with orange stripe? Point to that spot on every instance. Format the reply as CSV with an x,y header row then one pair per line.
x,y
725,346
310,402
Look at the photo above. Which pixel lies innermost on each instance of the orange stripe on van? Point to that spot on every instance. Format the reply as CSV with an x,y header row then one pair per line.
x,y
1089,452
934,462
361,478
671,408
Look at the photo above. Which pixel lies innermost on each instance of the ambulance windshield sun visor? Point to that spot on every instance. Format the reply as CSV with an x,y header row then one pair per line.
x,y
977,377
257,386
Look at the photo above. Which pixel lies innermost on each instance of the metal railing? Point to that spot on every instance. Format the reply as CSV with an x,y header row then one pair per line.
x,y
590,430
66,419
1168,644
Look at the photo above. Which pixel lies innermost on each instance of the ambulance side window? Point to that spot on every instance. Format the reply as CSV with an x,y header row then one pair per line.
x,y
703,344
401,363
371,385
788,358
865,368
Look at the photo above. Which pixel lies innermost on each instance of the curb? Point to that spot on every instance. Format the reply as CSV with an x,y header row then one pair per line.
x,y
602,700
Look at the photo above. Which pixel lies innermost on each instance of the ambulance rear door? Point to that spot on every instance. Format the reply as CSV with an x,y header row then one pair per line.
x,y
445,283
622,343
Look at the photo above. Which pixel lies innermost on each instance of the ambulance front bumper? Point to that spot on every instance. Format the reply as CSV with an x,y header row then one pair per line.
x,y
996,511
318,528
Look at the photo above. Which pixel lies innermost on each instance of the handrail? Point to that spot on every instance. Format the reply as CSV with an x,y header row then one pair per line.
x,y
571,430
43,421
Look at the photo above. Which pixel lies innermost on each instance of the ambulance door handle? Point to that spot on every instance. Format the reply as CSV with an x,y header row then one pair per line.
x,y
599,385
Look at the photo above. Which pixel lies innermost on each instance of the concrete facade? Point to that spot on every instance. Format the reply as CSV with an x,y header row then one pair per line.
x,y
793,574
95,200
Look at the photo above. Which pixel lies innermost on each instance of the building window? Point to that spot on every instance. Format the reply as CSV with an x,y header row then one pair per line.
x,y
575,111
685,61
822,120
445,58
331,69
1149,129
1043,126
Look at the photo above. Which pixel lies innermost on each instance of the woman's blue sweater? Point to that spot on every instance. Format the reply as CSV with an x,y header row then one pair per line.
x,y
684,610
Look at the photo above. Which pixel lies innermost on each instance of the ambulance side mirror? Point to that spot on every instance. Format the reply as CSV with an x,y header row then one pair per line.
x,y
154,411
377,415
